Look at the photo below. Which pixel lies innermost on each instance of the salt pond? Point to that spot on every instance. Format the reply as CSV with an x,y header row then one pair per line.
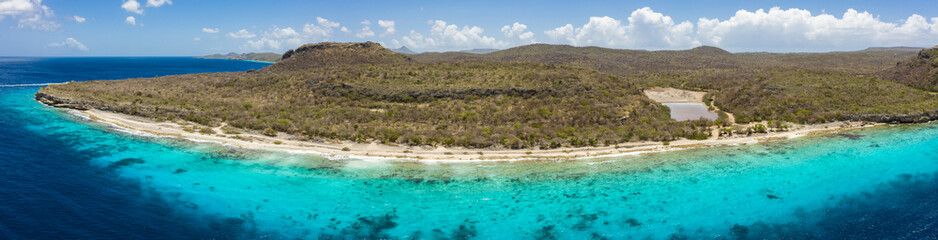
x,y
690,111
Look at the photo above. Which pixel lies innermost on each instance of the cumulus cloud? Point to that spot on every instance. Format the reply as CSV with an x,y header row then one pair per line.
x,y
243,33
773,30
132,6
800,30
366,22
645,29
327,23
30,14
388,26
365,32
78,19
263,43
283,33
158,3
130,20
445,36
276,38
322,30
516,32
17,7
70,43
210,30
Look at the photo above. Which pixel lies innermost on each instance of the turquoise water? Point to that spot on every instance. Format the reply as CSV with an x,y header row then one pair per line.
x,y
868,184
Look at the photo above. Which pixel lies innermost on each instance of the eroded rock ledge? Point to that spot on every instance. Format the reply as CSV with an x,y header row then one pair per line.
x,y
66,103
890,118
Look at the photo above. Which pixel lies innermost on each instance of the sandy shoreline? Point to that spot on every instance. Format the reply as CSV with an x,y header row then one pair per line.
x,y
346,149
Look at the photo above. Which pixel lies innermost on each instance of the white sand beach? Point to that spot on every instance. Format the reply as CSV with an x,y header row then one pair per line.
x,y
346,149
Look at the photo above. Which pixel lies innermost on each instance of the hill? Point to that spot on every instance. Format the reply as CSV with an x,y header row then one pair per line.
x,y
322,55
535,96
793,87
896,49
261,57
403,50
363,92
920,72
480,50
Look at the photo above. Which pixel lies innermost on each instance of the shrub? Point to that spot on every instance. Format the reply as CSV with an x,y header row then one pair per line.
x,y
207,131
270,132
759,128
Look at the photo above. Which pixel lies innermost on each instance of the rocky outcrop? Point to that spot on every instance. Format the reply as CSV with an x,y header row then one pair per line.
x,y
328,54
62,102
893,118
139,110
920,72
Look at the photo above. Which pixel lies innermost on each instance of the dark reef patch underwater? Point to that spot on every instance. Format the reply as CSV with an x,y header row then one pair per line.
x,y
66,177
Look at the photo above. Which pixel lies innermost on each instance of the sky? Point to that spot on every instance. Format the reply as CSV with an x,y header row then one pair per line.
x,y
194,28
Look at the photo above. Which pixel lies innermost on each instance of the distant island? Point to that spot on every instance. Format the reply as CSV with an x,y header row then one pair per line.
x,y
534,101
260,57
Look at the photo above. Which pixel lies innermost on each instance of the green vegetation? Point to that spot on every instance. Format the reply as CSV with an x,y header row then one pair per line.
x,y
920,72
364,93
536,96
261,57
793,87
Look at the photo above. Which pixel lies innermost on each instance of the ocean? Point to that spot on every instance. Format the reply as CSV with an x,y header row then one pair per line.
x,y
65,177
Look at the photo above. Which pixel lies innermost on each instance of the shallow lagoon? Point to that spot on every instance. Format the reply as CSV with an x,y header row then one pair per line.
x,y
873,183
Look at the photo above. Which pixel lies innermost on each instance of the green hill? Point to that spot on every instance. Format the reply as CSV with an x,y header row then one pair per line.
x,y
324,55
363,92
920,72
794,87
535,96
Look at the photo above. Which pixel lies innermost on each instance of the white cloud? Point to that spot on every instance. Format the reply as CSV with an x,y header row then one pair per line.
x,y
516,31
276,39
196,39
70,43
263,43
243,33
326,23
131,20
78,19
445,36
132,6
800,30
773,30
655,30
388,26
366,22
322,31
645,29
210,30
365,32
283,33
31,14
158,3
18,7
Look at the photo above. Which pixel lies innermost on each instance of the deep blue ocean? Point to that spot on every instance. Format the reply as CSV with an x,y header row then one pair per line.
x,y
65,177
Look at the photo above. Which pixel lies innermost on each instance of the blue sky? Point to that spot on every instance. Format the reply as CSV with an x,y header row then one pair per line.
x,y
188,28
